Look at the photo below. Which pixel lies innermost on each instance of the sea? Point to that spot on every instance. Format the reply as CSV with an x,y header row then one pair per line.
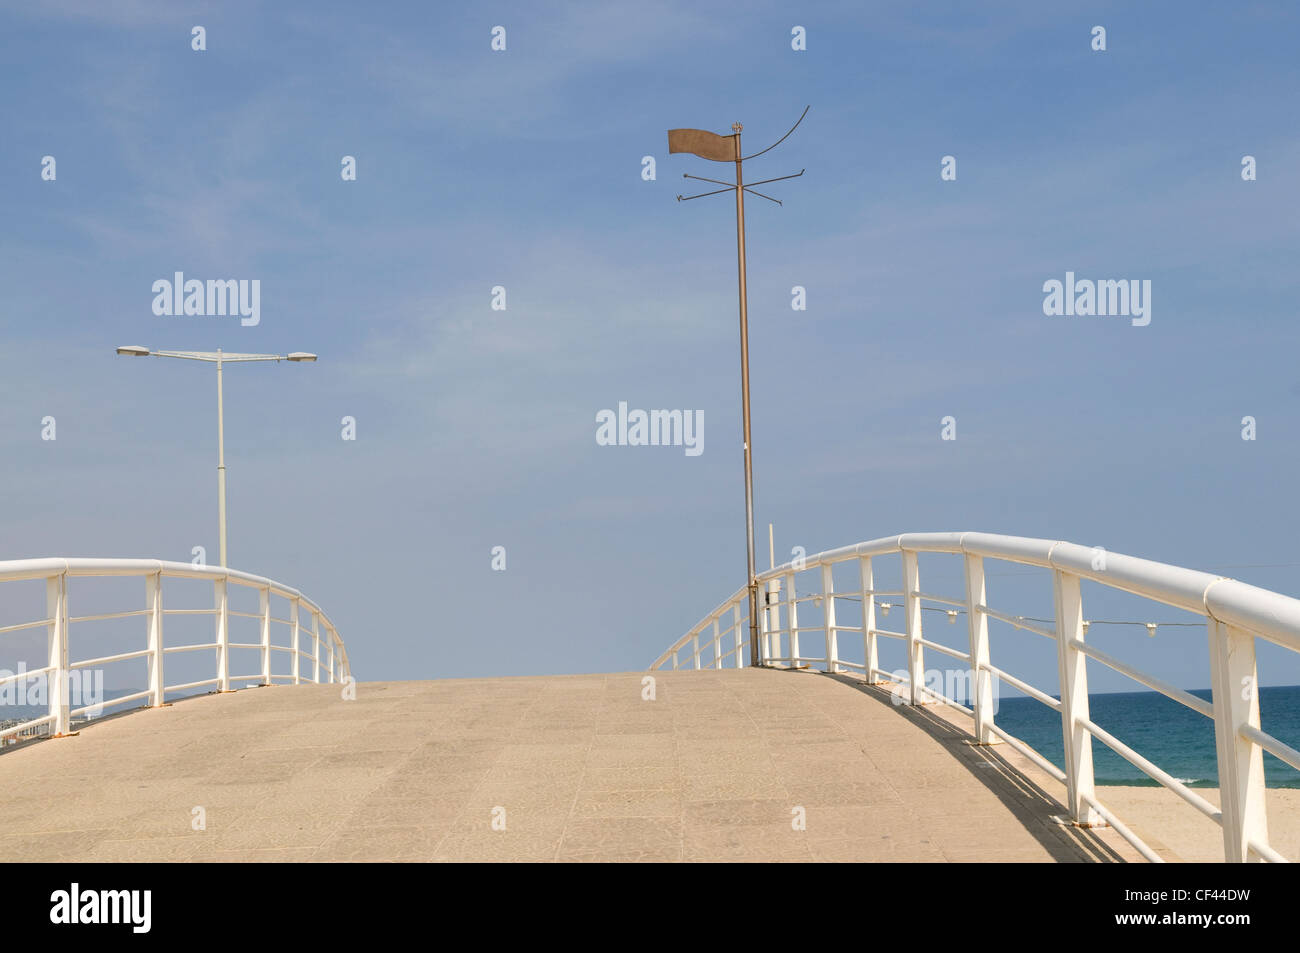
x,y
1177,739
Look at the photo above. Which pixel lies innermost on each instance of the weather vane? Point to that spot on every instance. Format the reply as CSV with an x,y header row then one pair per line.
x,y
709,145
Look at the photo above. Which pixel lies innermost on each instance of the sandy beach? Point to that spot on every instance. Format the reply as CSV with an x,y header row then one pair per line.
x,y
1179,832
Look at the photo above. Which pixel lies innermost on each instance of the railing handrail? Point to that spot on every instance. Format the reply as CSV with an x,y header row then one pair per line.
x,y
56,571
12,570
1235,613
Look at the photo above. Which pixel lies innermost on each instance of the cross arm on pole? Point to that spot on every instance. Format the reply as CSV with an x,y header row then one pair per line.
x,y
687,175
780,178
687,198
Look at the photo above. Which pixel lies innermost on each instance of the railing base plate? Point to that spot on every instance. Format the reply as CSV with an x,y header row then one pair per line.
x,y
1070,822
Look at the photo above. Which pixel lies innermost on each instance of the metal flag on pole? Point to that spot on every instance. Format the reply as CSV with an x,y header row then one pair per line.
x,y
716,148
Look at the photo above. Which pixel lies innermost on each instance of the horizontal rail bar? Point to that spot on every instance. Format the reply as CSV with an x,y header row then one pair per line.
x,y
964,656
1274,747
109,615
105,660
1046,699
959,603
191,648
1027,751
1150,681
99,707
1018,621
1123,831
26,726
1268,853
939,696
29,673
1153,771
198,684
26,625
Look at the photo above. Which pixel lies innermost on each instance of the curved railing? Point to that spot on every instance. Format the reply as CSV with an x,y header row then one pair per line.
x,y
1236,614
306,622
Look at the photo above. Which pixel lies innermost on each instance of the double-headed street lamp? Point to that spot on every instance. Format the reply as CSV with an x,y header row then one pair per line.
x,y
219,358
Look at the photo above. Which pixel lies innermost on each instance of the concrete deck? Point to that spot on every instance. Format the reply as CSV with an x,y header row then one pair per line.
x,y
579,768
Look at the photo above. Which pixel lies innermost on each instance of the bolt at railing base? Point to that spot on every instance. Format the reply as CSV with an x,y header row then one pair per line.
x,y
160,705
66,734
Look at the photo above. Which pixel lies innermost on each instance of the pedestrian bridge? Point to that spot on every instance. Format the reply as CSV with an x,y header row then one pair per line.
x,y
811,754
749,764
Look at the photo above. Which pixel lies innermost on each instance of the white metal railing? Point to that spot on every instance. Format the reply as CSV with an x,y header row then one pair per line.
x,y
1236,615
327,660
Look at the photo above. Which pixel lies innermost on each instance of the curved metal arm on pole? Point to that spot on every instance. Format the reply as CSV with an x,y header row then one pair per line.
x,y
782,139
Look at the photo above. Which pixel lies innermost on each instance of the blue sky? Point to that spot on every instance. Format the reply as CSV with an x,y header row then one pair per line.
x,y
475,428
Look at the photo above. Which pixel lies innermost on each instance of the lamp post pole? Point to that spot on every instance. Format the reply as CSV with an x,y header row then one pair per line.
x,y
221,465
220,358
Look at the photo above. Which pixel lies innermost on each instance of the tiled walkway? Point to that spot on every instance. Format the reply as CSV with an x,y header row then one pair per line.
x,y
721,765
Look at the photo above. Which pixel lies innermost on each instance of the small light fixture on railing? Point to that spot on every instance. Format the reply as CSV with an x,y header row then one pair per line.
x,y
952,616
817,601
1151,630
884,608
1086,623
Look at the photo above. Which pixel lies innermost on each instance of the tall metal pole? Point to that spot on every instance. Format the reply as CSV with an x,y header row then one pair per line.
x,y
221,465
754,658
715,148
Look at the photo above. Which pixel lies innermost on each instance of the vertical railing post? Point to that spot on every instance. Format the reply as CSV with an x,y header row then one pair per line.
x,y
293,621
330,646
717,645
315,647
739,636
1072,665
56,610
1235,689
221,596
792,619
695,649
153,602
869,654
265,606
771,615
764,635
912,611
828,615
981,680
